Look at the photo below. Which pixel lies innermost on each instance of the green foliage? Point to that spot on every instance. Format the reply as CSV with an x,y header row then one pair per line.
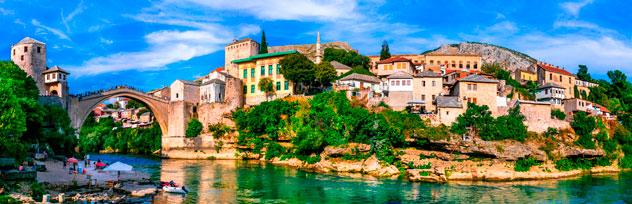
x,y
568,164
582,73
558,114
219,129
358,70
325,73
37,191
385,53
349,58
194,128
8,200
551,132
495,69
524,164
263,47
479,120
626,162
266,84
131,103
383,105
298,69
584,126
108,135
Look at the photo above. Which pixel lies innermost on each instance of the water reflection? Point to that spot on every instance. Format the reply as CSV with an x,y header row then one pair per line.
x,y
254,182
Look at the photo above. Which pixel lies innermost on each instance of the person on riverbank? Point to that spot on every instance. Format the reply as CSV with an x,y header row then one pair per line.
x,y
65,162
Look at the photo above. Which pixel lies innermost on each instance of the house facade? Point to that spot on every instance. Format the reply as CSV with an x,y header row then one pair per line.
x,y
479,90
550,74
427,86
551,93
257,67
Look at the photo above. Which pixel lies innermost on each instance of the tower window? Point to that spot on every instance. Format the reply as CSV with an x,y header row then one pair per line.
x,y
13,52
39,49
177,95
26,49
22,57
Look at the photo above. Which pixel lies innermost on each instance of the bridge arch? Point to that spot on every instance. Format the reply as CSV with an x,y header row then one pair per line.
x,y
80,107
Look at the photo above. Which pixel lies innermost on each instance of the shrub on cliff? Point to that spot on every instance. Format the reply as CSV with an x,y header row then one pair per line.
x,y
524,164
558,114
194,128
584,126
479,120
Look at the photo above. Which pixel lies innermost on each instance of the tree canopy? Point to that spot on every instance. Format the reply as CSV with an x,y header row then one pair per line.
x,y
298,69
349,58
582,73
385,53
263,47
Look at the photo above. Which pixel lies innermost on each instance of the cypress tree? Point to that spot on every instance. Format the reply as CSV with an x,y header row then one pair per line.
x,y
263,48
385,53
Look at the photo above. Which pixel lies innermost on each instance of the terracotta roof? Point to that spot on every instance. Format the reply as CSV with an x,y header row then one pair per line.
x,y
428,74
551,68
361,77
28,40
240,41
55,69
449,102
338,65
400,75
603,109
478,78
394,59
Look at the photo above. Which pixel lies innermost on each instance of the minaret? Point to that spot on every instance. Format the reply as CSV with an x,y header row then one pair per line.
x,y
319,54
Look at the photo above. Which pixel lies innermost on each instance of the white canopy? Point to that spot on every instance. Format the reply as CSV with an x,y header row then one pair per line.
x,y
118,166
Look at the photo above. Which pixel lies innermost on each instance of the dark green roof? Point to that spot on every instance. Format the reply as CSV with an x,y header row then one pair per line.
x,y
259,56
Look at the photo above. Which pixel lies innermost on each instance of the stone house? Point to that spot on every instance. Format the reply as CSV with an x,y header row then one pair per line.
x,y
183,90
340,68
550,74
454,61
551,93
392,65
257,67
239,49
145,117
163,93
479,90
212,91
574,105
448,108
359,85
537,115
427,85
583,87
55,80
523,76
399,89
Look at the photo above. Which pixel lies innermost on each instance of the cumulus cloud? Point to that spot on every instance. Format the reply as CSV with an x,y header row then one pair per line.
x,y
573,8
52,30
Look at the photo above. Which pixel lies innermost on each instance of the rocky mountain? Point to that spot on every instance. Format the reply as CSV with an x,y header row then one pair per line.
x,y
510,59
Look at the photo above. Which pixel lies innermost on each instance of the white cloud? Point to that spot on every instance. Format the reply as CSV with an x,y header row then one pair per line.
x,y
68,18
307,10
54,31
6,12
573,8
105,41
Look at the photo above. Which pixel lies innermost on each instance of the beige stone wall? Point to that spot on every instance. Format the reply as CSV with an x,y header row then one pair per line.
x,y
238,51
566,81
27,57
397,99
181,91
253,95
447,116
474,62
390,68
428,90
484,94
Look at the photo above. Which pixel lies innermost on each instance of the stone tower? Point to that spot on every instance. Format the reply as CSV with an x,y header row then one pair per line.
x,y
319,54
56,83
30,55
238,49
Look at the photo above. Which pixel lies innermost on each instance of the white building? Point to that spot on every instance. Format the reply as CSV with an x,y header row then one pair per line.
x,y
551,93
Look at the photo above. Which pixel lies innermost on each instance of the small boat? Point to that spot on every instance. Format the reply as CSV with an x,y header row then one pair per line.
x,y
178,190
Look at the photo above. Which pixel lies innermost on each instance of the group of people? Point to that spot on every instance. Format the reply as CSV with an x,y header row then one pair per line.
x,y
73,169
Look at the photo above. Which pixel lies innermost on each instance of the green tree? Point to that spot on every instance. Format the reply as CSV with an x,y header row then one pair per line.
x,y
620,85
325,73
267,86
194,128
358,70
511,126
349,58
298,69
582,73
263,48
584,126
477,119
385,53
576,92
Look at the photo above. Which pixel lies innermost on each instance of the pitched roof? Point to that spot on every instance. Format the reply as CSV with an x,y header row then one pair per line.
x,y
549,85
55,69
195,83
361,77
240,41
400,75
551,68
28,40
394,59
449,102
478,78
338,65
266,55
214,81
428,74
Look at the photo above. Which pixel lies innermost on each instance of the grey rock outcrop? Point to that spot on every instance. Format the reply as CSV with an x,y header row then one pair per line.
x,y
510,59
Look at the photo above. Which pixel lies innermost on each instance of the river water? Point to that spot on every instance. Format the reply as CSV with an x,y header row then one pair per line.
x,y
227,181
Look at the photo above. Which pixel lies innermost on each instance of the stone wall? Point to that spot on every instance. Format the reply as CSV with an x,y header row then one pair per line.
x,y
538,117
397,100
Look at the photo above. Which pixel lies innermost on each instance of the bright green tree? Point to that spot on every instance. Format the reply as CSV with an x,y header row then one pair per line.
x,y
584,126
263,48
194,128
346,57
267,86
324,73
298,69
582,73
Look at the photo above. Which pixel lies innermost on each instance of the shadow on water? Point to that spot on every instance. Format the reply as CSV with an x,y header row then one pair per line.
x,y
254,182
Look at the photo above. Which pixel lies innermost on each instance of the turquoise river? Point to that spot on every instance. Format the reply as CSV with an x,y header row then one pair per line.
x,y
227,181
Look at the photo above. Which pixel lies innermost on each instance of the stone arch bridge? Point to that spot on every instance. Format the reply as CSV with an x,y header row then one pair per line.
x,y
80,106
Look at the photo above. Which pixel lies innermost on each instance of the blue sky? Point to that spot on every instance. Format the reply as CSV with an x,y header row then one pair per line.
x,y
148,44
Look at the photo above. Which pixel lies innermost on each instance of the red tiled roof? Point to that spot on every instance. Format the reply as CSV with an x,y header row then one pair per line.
x,y
551,68
603,109
394,59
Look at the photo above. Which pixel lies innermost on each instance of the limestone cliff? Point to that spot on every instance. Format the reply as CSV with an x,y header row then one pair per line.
x,y
511,59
